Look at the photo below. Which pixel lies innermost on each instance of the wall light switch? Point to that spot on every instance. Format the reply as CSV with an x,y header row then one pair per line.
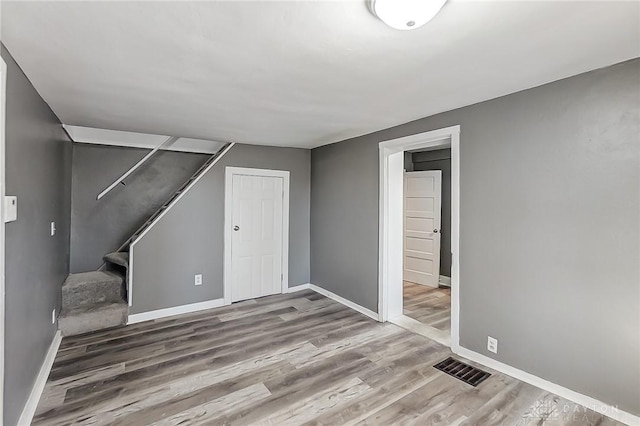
x,y
53,229
53,316
198,280
10,208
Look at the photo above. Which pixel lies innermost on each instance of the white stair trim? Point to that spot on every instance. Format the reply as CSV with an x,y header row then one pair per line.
x,y
182,194
41,380
135,167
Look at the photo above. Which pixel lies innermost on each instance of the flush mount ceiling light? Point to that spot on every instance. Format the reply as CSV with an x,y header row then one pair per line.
x,y
405,14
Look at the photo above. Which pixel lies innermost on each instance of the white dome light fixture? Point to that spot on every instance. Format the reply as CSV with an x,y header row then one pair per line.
x,y
405,14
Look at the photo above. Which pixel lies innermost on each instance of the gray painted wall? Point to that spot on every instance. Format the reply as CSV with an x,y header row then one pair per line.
x,y
344,220
191,234
550,201
440,160
101,226
38,171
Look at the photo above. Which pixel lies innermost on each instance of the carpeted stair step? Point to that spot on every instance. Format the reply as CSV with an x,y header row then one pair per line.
x,y
118,257
93,287
87,318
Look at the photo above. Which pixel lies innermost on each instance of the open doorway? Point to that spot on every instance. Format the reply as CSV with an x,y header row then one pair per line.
x,y
427,237
413,292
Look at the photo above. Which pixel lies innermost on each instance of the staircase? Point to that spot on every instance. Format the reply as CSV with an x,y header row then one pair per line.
x,y
97,300
92,301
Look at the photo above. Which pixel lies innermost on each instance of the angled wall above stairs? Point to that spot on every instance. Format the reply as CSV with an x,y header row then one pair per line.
x,y
189,239
99,227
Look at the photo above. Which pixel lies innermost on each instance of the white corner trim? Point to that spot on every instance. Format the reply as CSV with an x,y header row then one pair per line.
x,y
176,310
414,326
36,391
444,280
295,288
96,136
130,277
573,396
436,138
345,302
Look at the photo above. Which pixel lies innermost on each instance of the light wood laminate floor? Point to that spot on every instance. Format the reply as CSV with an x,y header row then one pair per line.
x,y
431,306
288,359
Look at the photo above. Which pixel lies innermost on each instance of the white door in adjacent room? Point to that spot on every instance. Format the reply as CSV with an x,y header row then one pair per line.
x,y
422,203
257,236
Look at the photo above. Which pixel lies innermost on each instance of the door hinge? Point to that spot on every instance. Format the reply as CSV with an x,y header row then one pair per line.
x,y
281,278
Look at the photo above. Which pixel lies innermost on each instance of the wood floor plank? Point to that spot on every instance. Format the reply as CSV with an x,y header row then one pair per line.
x,y
427,399
428,305
466,401
257,339
290,359
203,413
362,407
363,341
507,406
109,353
318,403
186,361
553,410
205,316
186,401
298,385
156,395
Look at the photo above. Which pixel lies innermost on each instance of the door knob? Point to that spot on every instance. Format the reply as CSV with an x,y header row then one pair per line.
x,y
236,228
435,231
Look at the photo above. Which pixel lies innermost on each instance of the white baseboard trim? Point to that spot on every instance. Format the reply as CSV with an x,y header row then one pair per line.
x,y
176,310
297,288
414,326
36,391
345,302
573,396
444,280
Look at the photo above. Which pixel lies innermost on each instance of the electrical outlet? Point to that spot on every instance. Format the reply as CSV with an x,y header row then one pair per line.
x,y
198,279
53,229
492,344
53,316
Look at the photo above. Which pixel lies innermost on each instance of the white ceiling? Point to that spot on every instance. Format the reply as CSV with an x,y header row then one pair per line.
x,y
298,73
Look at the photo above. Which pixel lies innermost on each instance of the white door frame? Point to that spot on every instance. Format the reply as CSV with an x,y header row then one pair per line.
x,y
391,220
228,215
3,100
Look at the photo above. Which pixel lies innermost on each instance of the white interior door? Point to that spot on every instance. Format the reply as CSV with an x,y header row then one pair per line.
x,y
256,243
422,204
